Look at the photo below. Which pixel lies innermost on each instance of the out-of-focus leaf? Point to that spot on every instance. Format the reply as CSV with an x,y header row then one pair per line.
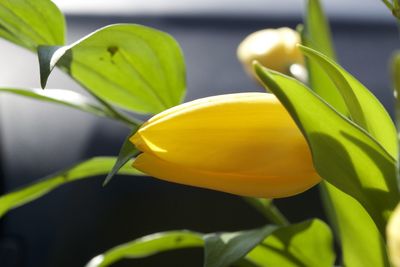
x,y
60,96
30,23
149,245
224,249
126,153
309,243
317,35
343,153
89,168
365,109
132,66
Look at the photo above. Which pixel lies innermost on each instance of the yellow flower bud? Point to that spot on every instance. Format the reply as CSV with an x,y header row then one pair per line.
x,y
273,48
393,237
246,144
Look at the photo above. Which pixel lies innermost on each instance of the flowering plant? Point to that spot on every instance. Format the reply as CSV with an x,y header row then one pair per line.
x,y
327,129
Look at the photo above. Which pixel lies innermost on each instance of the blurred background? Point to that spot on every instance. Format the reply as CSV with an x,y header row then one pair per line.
x,y
78,221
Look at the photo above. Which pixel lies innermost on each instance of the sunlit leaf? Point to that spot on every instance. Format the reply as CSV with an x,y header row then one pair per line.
x,y
365,109
318,36
309,243
89,168
30,23
135,67
361,243
343,154
59,96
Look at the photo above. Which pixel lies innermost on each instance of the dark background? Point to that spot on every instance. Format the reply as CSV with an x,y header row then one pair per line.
x,y
78,221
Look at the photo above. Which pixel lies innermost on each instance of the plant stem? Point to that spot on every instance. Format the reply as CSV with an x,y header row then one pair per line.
x,y
388,4
268,210
113,112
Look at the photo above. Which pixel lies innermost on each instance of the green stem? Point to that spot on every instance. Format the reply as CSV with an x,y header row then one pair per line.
x,y
388,4
113,113
268,210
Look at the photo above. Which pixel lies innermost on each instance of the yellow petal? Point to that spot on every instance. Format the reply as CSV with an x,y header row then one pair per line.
x,y
244,144
248,133
234,183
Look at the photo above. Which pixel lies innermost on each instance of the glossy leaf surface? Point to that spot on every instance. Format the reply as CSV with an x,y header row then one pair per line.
x,y
318,36
362,245
343,154
365,109
30,23
132,66
309,243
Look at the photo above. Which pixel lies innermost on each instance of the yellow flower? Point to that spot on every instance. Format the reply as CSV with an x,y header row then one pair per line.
x,y
273,48
245,144
393,237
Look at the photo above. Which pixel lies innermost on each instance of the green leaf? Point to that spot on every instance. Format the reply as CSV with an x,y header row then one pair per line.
x,y
343,153
309,243
126,153
89,168
361,243
317,35
132,66
147,246
222,250
365,109
60,96
30,23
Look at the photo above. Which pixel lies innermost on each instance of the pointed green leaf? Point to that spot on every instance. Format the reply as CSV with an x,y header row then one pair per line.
x,y
126,153
317,35
132,66
147,246
30,23
343,153
309,243
59,96
361,243
365,109
222,250
89,168
318,29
